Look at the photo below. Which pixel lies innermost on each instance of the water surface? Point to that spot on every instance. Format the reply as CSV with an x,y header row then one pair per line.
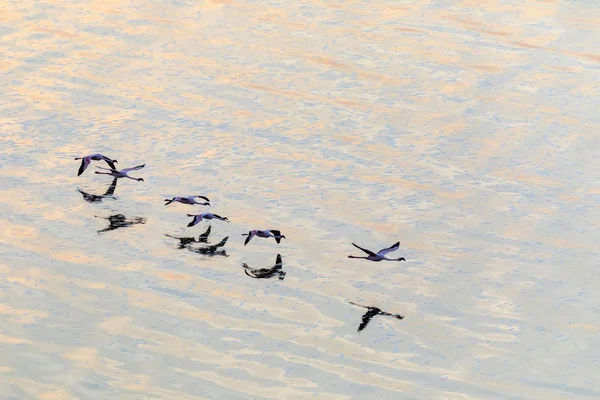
x,y
465,129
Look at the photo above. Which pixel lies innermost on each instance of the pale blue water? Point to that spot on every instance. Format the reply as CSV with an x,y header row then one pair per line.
x,y
467,131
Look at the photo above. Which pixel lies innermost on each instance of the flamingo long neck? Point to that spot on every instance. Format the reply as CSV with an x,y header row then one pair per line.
x,y
391,259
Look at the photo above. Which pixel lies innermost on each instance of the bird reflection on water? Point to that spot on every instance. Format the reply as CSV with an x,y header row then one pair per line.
x,y
264,273
372,311
186,240
94,198
120,221
211,250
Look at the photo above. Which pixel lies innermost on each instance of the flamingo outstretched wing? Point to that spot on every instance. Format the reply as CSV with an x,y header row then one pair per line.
x,y
393,247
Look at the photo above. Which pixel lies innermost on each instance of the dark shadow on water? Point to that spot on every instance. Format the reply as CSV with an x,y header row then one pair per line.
x,y
120,221
372,311
185,241
94,198
210,250
264,273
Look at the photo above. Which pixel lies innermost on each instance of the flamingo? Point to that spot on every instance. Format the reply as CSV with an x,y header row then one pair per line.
x,y
85,161
380,254
188,200
265,234
200,217
122,173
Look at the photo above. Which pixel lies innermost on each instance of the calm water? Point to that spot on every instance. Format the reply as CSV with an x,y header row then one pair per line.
x,y
468,130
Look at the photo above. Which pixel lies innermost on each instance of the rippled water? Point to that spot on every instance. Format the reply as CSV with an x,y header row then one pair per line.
x,y
468,130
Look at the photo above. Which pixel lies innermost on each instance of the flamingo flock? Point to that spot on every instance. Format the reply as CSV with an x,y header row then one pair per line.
x,y
119,221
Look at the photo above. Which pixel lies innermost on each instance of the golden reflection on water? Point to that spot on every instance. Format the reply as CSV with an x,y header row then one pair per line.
x,y
464,130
